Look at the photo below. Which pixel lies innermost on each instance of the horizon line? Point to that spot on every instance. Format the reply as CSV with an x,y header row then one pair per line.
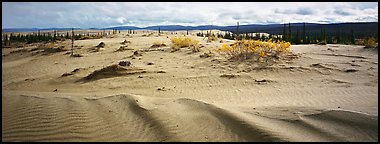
x,y
171,25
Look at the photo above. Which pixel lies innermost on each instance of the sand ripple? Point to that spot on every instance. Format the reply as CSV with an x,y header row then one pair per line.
x,y
127,117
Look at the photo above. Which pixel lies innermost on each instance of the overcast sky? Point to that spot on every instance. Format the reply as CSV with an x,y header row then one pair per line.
x,y
101,14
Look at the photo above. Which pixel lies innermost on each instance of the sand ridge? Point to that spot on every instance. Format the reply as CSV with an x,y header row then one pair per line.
x,y
125,117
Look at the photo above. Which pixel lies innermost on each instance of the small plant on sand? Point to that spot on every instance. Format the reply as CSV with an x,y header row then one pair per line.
x,y
370,42
212,38
125,42
246,49
322,43
101,45
123,48
157,44
181,42
77,55
206,54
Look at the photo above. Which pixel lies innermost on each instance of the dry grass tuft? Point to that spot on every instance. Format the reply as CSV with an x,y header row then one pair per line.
x,y
181,42
125,42
123,48
158,44
212,38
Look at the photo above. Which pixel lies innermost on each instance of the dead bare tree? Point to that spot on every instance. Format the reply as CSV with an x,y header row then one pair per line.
x,y
72,42
237,31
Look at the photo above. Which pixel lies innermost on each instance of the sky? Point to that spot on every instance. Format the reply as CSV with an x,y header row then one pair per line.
x,y
142,14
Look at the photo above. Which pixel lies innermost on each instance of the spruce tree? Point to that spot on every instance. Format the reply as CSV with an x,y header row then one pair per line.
x,y
55,35
72,42
258,36
297,41
67,35
19,38
324,35
290,33
352,38
304,33
237,31
6,40
284,37
10,38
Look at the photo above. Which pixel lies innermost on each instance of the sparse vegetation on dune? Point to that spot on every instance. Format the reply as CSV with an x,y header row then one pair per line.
x,y
76,55
101,45
247,49
181,42
125,42
370,42
206,54
212,38
158,44
123,48
123,68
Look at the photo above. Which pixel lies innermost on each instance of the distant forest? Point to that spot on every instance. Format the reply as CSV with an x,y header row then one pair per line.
x,y
9,39
345,33
306,33
296,33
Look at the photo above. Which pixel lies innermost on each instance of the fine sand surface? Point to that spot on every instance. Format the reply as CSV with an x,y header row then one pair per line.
x,y
318,93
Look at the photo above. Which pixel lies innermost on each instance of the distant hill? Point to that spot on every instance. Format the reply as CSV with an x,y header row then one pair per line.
x,y
362,27
35,29
19,29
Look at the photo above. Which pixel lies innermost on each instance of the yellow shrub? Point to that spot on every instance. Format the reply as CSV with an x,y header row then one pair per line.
x,y
212,38
370,42
245,49
262,54
225,48
180,42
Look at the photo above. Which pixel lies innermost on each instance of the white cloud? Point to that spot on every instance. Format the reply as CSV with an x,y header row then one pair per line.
x,y
100,14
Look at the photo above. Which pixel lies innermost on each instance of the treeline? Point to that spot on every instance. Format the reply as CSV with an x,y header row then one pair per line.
x,y
8,39
301,35
232,36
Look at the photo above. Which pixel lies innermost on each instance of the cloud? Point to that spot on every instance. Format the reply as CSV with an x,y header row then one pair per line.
x,y
299,11
305,11
367,18
106,14
342,12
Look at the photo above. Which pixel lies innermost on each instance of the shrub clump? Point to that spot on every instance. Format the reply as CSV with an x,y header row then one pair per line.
x,y
206,55
157,44
101,45
212,38
322,43
181,42
370,43
246,49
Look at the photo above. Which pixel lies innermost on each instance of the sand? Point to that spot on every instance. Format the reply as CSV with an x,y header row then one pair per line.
x,y
319,93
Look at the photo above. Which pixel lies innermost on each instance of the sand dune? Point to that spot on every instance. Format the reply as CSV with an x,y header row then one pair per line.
x,y
317,93
127,117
